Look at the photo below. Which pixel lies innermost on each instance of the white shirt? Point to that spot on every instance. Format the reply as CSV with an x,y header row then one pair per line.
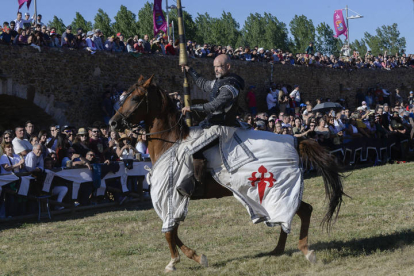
x,y
296,94
142,148
127,154
19,25
271,100
4,159
20,145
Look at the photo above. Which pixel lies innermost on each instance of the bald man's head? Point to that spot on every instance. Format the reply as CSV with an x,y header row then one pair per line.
x,y
222,65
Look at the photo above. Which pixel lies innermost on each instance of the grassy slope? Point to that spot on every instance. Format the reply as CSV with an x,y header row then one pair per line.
x,y
373,236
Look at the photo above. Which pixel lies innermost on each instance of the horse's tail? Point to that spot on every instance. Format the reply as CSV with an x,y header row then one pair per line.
x,y
313,154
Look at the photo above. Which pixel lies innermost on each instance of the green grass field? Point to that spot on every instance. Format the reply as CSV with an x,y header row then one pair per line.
x,y
374,235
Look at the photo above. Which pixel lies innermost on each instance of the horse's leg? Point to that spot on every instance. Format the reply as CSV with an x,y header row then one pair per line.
x,y
280,248
305,212
191,254
175,257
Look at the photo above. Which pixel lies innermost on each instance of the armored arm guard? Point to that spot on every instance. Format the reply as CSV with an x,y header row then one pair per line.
x,y
201,82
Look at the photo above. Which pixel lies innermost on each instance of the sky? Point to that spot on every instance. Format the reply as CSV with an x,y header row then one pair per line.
x,y
376,13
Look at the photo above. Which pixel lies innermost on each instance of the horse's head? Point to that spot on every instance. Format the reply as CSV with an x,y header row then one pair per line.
x,y
134,106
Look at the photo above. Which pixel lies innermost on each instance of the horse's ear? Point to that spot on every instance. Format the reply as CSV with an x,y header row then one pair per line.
x,y
148,82
141,80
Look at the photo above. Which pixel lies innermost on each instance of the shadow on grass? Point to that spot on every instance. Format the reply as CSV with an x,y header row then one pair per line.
x,y
352,248
141,206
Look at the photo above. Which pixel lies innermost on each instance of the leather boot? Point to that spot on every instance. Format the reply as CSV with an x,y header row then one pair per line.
x,y
186,188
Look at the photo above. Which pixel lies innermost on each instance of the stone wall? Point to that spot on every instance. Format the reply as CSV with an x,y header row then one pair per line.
x,y
68,85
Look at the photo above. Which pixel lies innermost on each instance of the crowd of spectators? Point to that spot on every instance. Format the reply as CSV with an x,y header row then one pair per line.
x,y
383,121
38,35
23,150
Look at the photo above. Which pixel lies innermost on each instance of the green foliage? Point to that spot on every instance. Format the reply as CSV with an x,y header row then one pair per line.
x,y
80,22
303,32
387,38
145,24
103,22
225,30
265,31
125,22
204,28
58,24
359,45
190,26
325,41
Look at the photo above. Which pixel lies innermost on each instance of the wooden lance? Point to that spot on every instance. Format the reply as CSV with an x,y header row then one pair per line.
x,y
183,60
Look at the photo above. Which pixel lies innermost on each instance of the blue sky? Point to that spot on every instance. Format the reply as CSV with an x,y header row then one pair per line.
x,y
376,13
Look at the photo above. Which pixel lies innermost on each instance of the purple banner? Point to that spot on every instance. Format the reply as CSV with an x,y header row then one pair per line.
x,y
339,23
158,17
21,2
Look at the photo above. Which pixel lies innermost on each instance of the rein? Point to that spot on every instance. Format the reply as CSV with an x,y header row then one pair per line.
x,y
129,125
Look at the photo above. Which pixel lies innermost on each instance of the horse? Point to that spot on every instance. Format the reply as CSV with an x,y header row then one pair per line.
x,y
145,101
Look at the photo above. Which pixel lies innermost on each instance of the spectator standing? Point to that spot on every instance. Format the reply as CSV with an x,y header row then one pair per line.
x,y
295,95
67,37
309,49
272,101
138,47
411,98
146,45
19,22
109,44
169,49
91,45
96,144
21,146
52,141
251,100
29,130
97,40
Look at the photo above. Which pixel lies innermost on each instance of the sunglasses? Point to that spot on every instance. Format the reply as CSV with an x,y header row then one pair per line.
x,y
95,131
93,155
7,137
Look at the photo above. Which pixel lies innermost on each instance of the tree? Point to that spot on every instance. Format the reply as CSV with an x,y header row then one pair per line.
x,y
203,31
225,30
58,24
387,39
326,43
253,29
125,23
80,22
265,31
190,26
303,32
103,22
360,46
145,24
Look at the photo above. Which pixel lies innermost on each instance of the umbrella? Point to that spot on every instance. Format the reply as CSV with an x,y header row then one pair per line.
x,y
327,106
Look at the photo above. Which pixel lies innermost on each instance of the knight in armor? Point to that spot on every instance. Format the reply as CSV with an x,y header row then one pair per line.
x,y
221,109
223,94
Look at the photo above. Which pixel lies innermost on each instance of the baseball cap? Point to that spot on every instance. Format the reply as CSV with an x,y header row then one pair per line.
x,y
69,27
411,92
118,34
364,103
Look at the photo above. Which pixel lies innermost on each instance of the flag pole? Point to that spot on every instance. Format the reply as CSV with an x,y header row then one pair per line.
x,y
183,61
35,12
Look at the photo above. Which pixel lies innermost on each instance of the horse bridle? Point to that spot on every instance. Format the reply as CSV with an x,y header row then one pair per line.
x,y
130,126
125,117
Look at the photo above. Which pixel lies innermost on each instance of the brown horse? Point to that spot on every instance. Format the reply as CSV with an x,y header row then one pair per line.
x,y
146,102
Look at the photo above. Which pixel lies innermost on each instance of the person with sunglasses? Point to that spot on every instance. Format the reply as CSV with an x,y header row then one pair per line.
x,y
7,137
81,143
96,144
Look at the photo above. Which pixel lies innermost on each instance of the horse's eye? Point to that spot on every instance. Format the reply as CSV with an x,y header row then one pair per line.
x,y
136,99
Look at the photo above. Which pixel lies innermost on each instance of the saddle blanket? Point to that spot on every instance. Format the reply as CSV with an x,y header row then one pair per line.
x,y
262,170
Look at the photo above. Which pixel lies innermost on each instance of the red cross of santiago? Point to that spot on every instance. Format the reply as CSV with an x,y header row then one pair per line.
x,y
262,181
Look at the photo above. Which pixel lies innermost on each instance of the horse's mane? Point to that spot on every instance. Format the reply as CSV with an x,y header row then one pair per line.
x,y
173,118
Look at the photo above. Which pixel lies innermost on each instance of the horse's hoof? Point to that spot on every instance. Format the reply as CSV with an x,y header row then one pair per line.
x,y
171,265
311,257
169,269
203,260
